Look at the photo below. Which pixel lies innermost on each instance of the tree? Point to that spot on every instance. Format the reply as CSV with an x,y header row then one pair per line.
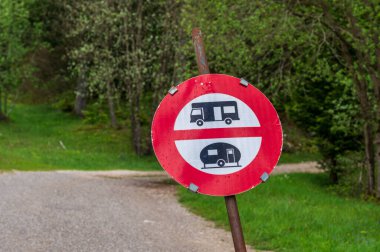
x,y
351,31
96,56
125,53
15,34
151,31
310,57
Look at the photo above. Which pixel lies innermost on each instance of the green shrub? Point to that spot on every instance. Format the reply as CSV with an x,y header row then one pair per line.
x,y
350,167
96,113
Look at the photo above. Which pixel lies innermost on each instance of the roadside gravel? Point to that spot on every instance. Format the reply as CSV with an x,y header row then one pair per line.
x,y
77,211
305,167
104,211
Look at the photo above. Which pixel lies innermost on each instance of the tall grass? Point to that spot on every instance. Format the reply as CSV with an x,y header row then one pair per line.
x,y
297,212
39,137
42,138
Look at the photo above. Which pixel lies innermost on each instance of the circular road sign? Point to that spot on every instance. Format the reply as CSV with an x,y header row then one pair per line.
x,y
217,135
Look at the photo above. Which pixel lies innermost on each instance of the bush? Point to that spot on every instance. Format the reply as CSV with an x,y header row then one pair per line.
x,y
96,113
350,167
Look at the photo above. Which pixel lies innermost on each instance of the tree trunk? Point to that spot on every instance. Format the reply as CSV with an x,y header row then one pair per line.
x,y
1,101
369,151
136,125
368,132
334,175
377,157
5,108
365,68
138,83
376,83
111,105
3,116
80,99
361,87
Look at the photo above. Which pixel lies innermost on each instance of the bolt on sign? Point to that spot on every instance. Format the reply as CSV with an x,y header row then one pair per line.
x,y
217,135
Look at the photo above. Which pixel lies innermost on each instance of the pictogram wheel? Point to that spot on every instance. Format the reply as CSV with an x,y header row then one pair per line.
x,y
221,163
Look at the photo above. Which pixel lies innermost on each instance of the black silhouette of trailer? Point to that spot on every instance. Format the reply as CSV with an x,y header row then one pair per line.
x,y
218,155
214,111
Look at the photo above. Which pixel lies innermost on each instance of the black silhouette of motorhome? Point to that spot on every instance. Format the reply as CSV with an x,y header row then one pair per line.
x,y
214,111
219,155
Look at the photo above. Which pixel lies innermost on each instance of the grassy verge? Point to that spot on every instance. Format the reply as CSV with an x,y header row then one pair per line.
x,y
296,213
41,138
287,158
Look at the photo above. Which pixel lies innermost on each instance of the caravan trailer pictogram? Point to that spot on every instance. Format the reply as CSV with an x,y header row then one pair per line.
x,y
218,155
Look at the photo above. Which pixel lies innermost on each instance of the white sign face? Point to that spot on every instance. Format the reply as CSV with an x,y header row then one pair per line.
x,y
217,156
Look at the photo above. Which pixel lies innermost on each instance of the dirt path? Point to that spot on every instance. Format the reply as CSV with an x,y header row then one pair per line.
x,y
104,211
77,211
306,167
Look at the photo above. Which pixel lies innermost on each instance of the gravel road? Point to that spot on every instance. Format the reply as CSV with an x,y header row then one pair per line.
x,y
104,211
79,211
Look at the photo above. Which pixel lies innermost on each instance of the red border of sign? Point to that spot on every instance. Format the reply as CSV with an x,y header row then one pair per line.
x,y
163,135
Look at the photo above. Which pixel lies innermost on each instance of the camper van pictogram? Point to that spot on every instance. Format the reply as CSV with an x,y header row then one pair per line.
x,y
214,111
219,155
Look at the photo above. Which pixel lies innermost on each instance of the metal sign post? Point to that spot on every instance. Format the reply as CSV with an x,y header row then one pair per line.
x,y
231,204
216,134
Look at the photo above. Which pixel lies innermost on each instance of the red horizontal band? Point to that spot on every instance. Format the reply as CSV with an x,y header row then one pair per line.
x,y
217,133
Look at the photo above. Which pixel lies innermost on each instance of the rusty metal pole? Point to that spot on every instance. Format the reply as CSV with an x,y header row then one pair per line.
x,y
234,218
231,204
200,51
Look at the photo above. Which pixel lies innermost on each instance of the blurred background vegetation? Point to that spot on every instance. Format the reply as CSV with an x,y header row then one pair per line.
x,y
110,62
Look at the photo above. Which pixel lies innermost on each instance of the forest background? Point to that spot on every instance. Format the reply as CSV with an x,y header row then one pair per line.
x,y
111,62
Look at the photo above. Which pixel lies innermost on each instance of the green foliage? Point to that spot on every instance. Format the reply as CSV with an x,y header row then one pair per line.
x,y
16,37
295,140
346,61
327,110
64,103
353,173
94,25
318,61
96,114
229,38
124,53
296,212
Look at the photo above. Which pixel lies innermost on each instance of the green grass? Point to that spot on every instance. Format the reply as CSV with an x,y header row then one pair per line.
x,y
289,213
31,141
287,158
296,212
